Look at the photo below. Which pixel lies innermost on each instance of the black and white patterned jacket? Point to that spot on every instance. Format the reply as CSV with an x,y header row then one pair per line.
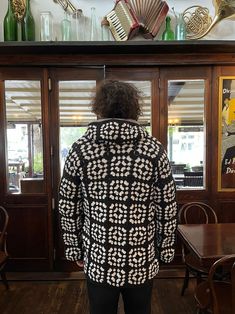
x,y
117,203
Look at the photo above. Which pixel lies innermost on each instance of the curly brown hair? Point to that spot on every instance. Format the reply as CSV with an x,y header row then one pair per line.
x,y
115,99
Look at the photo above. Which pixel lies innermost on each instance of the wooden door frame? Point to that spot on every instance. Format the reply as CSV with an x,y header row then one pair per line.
x,y
27,203
56,75
189,73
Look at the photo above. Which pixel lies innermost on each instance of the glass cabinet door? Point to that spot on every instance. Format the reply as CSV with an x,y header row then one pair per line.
x,y
74,113
24,152
186,132
70,100
185,101
25,173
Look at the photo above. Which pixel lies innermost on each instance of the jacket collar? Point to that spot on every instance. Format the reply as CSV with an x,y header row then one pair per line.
x,y
115,130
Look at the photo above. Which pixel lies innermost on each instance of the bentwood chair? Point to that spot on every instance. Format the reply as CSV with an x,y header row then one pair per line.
x,y
217,294
194,213
3,252
193,178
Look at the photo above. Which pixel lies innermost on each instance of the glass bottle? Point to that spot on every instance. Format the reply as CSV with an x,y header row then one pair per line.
x,y
66,28
168,33
46,26
76,25
10,24
28,24
105,29
180,29
93,25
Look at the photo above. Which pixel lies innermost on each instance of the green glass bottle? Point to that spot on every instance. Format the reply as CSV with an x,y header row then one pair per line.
x,y
168,33
28,24
10,24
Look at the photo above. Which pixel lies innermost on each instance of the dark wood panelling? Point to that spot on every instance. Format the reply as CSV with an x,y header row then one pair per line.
x,y
226,210
27,232
117,53
28,238
32,221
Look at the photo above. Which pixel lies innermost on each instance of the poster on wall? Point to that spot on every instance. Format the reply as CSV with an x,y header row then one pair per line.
x,y
226,133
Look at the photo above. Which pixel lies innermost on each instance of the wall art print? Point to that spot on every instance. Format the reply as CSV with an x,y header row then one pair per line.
x,y
226,150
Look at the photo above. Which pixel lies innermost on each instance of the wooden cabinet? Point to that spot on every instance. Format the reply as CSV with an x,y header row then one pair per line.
x,y
60,79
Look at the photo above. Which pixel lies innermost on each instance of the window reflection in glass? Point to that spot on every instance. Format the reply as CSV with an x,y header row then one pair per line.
x,y
75,110
24,136
75,113
186,132
145,88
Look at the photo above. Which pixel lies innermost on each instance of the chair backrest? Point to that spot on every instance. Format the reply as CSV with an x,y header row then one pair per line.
x,y
178,168
197,168
193,178
223,291
4,218
197,213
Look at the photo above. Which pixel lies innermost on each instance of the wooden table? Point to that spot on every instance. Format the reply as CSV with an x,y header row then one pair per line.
x,y
208,242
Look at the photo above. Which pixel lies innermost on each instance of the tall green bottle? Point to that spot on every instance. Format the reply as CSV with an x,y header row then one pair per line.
x,y
28,24
10,24
168,33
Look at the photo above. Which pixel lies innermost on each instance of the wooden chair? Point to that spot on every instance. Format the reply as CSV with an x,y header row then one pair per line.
x,y
3,252
193,178
197,168
217,294
194,213
178,168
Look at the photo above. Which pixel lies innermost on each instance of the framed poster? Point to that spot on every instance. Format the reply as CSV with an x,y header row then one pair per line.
x,y
226,149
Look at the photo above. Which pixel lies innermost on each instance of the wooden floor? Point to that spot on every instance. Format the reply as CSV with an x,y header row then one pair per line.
x,y
69,297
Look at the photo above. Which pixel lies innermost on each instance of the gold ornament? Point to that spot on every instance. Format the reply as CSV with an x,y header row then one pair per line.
x,y
199,23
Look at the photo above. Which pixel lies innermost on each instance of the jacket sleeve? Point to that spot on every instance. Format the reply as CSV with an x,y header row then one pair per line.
x,y
166,208
70,208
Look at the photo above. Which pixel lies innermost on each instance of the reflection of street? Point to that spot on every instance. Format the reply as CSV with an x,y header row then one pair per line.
x,y
68,135
64,153
16,172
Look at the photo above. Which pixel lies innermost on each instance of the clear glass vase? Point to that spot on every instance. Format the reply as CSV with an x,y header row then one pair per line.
x,y
105,31
180,29
95,28
46,26
66,28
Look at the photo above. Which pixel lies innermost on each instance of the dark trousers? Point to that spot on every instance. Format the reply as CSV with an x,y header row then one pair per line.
x,y
104,298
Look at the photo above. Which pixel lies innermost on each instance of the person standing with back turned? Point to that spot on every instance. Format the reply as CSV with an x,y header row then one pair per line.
x,y
117,205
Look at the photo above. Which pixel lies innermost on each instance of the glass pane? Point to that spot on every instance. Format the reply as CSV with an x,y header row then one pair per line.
x,y
145,88
186,132
75,112
24,136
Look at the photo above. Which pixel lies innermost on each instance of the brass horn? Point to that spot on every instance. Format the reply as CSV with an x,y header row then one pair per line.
x,y
68,6
223,9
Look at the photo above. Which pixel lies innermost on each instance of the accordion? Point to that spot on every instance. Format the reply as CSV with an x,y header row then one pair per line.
x,y
130,17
